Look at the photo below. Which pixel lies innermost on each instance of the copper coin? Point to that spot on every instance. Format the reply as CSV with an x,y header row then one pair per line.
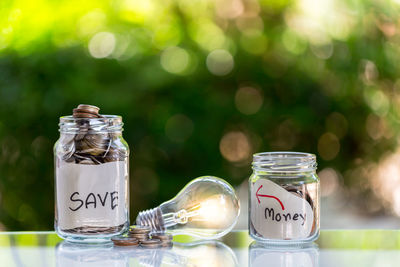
x,y
125,241
84,115
89,108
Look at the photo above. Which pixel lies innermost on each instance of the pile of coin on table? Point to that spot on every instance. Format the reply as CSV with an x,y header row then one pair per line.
x,y
141,236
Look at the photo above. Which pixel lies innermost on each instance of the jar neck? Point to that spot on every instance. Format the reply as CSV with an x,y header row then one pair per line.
x,y
284,163
106,124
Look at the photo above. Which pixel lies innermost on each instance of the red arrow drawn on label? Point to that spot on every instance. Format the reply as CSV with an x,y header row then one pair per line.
x,y
259,195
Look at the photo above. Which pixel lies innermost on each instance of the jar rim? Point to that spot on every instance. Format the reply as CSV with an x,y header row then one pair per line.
x,y
284,162
106,123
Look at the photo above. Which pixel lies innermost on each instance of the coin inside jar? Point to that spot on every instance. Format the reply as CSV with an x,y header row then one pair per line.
x,y
125,241
297,192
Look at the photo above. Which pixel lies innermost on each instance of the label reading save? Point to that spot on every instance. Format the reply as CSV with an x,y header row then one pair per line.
x,y
279,214
91,195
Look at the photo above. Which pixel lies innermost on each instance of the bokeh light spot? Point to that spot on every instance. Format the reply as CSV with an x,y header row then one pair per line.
x,y
254,42
293,42
285,136
336,123
91,22
385,179
329,181
377,100
208,35
324,51
175,60
250,23
235,146
229,9
102,44
328,146
179,128
374,126
370,71
248,100
220,62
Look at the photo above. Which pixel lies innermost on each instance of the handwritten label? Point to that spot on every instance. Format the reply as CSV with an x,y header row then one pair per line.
x,y
279,214
91,195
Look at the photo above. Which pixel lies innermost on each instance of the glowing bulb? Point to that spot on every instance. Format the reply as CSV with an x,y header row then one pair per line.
x,y
207,207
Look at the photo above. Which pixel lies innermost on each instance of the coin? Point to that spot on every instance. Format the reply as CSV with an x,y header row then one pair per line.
x,y
140,237
84,115
125,241
162,236
300,193
138,229
151,243
89,108
87,147
86,111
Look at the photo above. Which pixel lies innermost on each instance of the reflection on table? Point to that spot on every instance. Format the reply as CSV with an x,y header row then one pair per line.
x,y
373,248
205,253
261,255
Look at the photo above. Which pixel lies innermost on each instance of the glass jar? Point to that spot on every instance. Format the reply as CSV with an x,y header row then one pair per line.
x,y
91,179
284,198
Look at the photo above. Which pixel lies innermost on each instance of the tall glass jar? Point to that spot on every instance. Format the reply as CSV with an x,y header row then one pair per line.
x,y
91,179
284,198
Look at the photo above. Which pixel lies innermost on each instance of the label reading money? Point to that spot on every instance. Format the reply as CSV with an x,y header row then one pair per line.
x,y
279,214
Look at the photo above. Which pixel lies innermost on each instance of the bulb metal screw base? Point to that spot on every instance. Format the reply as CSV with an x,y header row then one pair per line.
x,y
152,218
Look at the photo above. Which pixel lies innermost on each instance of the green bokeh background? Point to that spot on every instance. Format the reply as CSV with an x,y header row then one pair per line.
x,y
326,75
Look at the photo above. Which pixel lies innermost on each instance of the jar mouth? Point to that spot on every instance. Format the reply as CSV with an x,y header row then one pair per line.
x,y
106,124
284,161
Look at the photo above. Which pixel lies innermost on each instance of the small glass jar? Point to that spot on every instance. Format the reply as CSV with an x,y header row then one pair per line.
x,y
91,179
284,198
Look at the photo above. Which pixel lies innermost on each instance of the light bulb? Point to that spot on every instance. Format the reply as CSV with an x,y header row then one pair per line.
x,y
207,208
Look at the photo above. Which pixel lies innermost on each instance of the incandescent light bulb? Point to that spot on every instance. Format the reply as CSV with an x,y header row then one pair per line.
x,y
207,207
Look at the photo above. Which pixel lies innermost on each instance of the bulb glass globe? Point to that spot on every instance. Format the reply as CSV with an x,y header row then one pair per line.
x,y
207,207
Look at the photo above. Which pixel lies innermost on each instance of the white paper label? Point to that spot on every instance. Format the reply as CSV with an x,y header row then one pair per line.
x,y
279,214
91,195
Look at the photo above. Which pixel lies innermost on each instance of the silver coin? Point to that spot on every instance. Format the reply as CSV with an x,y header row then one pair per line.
x,y
138,229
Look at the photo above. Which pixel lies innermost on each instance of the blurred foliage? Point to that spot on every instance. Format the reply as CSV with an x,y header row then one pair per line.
x,y
201,85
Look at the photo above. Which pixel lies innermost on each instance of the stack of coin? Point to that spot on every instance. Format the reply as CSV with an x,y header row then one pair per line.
x,y
166,239
139,232
86,111
122,241
144,239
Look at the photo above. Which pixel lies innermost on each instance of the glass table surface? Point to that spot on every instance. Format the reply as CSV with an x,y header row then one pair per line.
x,y
333,248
